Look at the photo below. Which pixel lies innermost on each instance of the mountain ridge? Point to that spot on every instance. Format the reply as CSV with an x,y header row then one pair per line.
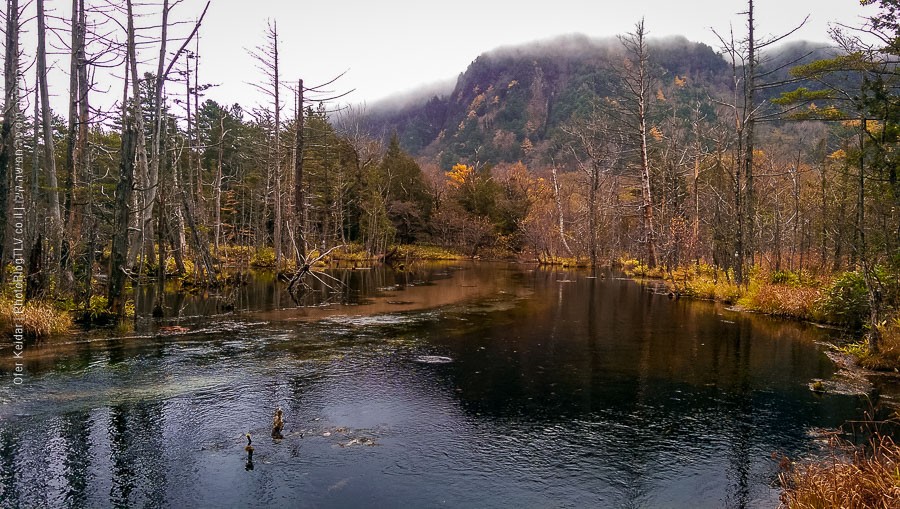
x,y
510,102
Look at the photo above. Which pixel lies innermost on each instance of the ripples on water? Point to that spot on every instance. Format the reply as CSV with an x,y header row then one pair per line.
x,y
533,393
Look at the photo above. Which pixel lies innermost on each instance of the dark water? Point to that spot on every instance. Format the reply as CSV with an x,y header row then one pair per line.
x,y
488,386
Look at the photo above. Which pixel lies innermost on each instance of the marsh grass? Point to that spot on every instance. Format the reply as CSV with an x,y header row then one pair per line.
x,y
426,252
848,477
39,319
565,262
781,293
790,301
888,356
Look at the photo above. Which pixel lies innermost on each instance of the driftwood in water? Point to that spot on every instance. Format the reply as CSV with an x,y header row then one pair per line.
x,y
298,285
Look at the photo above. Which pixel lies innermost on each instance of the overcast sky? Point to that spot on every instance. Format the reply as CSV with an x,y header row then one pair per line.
x,y
390,47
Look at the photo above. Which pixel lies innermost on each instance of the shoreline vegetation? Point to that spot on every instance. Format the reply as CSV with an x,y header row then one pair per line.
x,y
857,467
43,318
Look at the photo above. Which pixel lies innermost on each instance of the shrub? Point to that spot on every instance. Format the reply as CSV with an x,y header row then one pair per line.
x,y
792,278
846,301
634,268
172,268
264,257
888,356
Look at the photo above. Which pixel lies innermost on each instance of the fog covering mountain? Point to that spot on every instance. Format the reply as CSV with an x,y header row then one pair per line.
x,y
511,102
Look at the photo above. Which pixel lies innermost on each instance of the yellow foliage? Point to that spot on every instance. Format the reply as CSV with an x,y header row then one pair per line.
x,y
459,175
656,133
680,82
659,95
838,154
872,126
512,83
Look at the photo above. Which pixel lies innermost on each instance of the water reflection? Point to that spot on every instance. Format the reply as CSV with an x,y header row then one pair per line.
x,y
492,386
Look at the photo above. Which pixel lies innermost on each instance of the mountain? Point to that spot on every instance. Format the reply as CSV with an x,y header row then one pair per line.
x,y
511,102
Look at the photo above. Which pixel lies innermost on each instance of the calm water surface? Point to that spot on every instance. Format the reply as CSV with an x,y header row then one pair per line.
x,y
468,386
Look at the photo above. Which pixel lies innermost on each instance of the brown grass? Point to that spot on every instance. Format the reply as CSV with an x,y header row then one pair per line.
x,y
39,319
784,300
851,477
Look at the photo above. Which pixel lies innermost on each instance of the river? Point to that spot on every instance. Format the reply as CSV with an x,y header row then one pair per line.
x,y
452,385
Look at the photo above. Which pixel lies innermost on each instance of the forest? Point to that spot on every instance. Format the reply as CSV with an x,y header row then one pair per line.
x,y
756,167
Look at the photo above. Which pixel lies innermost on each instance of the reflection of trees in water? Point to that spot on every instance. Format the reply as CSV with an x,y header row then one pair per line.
x,y
136,438
76,433
9,464
644,382
741,421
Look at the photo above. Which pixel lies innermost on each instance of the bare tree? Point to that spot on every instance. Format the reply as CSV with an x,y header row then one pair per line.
x,y
636,80
9,130
55,224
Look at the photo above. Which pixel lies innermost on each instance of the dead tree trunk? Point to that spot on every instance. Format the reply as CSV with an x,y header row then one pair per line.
x,y
9,131
559,211
119,253
299,195
637,83
141,142
55,226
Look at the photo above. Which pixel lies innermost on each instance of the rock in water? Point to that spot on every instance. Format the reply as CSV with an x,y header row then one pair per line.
x,y
433,359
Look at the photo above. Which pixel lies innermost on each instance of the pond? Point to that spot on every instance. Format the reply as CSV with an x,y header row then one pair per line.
x,y
467,385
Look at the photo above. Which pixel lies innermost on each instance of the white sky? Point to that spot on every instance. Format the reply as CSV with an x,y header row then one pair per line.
x,y
395,46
